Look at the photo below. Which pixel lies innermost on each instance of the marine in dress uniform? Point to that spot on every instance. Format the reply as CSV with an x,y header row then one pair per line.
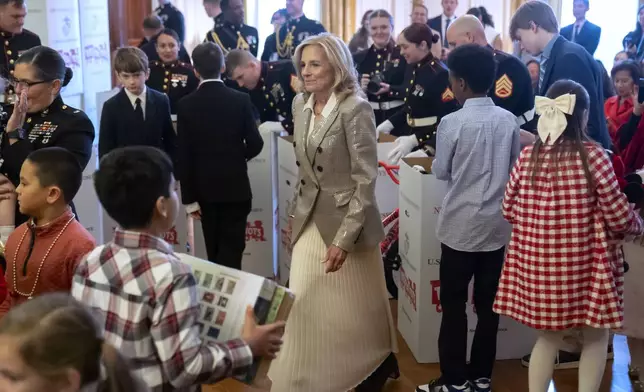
x,y
176,79
390,65
294,31
428,97
512,89
231,36
13,46
58,125
273,96
172,19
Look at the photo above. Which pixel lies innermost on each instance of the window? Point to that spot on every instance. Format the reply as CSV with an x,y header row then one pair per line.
x,y
615,17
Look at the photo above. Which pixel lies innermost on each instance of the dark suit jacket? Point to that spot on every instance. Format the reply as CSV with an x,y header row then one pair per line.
x,y
588,36
118,127
436,24
217,137
571,61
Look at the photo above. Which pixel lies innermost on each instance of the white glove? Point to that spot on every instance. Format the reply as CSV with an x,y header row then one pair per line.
x,y
271,126
417,154
364,81
385,127
404,145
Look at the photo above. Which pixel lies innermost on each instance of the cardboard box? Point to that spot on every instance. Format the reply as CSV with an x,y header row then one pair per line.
x,y
419,307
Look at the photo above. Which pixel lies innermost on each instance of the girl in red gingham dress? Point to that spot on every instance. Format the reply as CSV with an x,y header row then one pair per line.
x,y
562,271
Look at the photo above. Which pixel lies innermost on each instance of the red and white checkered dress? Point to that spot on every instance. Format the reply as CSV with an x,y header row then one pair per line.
x,y
563,268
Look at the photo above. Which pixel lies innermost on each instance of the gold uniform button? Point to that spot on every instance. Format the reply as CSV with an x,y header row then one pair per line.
x,y
165,87
378,64
9,52
64,106
165,80
266,96
6,43
12,61
29,120
411,81
271,104
379,57
167,72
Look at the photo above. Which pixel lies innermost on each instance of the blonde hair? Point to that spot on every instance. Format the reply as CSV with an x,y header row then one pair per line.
x,y
339,55
55,333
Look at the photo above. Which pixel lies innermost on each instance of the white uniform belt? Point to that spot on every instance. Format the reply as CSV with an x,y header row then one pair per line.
x,y
421,122
525,117
386,105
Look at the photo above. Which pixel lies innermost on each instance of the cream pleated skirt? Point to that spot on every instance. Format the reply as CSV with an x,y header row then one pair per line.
x,y
340,328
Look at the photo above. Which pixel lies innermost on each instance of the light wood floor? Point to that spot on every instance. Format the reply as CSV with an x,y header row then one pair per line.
x,y
509,376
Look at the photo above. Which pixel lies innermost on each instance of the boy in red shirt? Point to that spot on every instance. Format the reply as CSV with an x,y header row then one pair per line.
x,y
42,253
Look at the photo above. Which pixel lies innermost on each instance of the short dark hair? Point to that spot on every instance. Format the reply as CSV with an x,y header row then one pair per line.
x,y
131,60
56,166
48,64
152,22
475,64
17,3
280,12
537,12
171,33
130,180
238,58
629,66
208,60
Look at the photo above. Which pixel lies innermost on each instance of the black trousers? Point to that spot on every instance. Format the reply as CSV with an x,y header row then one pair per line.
x,y
456,271
224,230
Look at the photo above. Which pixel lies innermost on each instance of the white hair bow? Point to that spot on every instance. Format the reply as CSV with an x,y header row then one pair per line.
x,y
552,121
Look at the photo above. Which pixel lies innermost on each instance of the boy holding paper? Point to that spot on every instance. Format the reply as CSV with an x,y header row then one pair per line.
x,y
476,147
137,281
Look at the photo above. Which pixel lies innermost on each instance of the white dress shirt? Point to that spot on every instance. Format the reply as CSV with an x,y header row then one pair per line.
x,y
444,26
141,96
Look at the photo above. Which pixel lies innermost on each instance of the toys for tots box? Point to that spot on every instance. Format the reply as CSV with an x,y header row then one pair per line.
x,y
386,189
419,306
260,256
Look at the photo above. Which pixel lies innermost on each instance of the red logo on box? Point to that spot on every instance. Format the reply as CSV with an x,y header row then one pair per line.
x,y
255,232
409,288
171,236
436,295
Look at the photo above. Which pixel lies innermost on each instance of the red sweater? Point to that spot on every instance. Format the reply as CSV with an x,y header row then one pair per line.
x,y
58,268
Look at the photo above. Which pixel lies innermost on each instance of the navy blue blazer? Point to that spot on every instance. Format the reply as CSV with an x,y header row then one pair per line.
x,y
119,128
588,36
571,61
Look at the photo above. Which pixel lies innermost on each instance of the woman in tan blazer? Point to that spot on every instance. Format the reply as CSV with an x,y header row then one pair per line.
x,y
340,334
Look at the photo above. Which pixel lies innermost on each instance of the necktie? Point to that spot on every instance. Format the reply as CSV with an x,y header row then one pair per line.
x,y
575,33
447,22
138,112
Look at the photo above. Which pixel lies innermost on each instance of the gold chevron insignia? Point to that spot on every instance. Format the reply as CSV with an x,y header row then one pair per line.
x,y
448,95
503,87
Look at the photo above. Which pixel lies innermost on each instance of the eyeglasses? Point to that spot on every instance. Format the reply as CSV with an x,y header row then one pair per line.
x,y
15,83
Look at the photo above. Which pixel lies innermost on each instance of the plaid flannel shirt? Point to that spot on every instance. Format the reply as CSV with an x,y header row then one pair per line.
x,y
148,301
